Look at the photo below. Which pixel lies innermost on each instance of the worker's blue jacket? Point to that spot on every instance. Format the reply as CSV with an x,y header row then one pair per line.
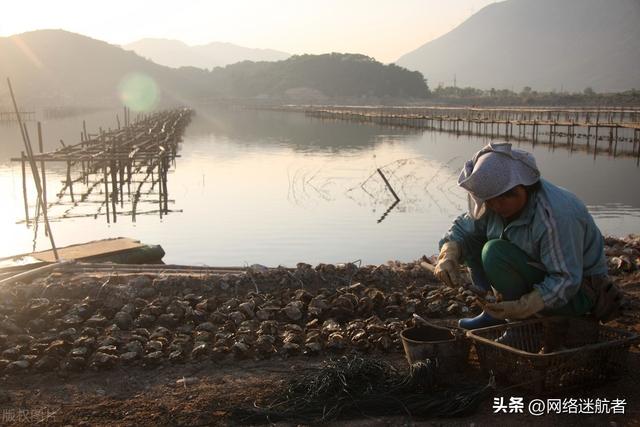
x,y
555,229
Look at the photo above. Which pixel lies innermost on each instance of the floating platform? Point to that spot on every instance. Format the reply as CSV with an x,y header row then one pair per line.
x,y
120,250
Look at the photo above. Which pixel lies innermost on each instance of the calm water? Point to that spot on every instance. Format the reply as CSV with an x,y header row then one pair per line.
x,y
279,188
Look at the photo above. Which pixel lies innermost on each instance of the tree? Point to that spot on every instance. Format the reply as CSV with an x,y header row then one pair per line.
x,y
333,75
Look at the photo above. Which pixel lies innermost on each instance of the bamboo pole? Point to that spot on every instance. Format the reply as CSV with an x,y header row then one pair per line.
x,y
166,189
24,189
160,183
384,178
638,152
106,191
114,189
32,274
34,171
44,177
70,181
121,178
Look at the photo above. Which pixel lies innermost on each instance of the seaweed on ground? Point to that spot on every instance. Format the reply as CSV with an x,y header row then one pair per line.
x,y
353,386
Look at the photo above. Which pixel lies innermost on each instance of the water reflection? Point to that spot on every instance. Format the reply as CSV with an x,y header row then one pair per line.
x,y
278,188
295,131
68,129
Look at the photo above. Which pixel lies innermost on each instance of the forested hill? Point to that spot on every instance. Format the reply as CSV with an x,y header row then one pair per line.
x,y
55,67
59,68
331,75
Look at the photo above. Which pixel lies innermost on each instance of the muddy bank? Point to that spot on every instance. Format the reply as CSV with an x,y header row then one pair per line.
x,y
98,349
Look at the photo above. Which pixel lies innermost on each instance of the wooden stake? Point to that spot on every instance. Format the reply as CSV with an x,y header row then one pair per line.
x,y
166,189
638,153
44,178
24,190
34,171
610,139
106,191
70,181
384,178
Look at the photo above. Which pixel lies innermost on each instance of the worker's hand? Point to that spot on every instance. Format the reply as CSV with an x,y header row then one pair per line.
x,y
447,267
528,305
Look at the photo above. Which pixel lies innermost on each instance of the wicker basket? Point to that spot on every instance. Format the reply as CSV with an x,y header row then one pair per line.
x,y
591,352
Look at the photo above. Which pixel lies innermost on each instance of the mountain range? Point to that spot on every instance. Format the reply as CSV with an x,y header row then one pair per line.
x,y
561,45
547,45
58,68
174,53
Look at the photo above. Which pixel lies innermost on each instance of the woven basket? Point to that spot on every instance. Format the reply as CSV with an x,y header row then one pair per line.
x,y
591,352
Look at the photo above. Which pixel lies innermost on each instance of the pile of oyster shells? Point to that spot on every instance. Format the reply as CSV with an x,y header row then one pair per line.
x,y
623,255
71,323
67,324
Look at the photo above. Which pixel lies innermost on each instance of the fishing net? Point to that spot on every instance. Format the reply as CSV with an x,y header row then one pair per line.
x,y
354,386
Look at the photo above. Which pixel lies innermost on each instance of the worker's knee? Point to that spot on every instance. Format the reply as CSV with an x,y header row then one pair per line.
x,y
494,253
506,267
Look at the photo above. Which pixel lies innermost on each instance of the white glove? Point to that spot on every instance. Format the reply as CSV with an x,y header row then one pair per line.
x,y
528,305
447,270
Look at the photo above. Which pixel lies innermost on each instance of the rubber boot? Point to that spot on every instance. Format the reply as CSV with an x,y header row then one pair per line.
x,y
483,320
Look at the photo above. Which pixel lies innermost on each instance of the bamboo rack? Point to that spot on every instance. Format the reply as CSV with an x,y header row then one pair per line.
x,y
10,116
115,172
614,131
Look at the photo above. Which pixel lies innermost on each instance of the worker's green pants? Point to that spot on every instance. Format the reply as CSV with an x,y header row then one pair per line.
x,y
510,272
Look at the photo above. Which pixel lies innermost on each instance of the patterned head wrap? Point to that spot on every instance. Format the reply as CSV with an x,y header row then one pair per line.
x,y
495,169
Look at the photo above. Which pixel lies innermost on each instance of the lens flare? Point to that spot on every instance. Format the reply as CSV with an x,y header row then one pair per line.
x,y
139,92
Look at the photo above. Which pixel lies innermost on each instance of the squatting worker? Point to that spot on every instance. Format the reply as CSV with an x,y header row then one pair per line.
x,y
531,241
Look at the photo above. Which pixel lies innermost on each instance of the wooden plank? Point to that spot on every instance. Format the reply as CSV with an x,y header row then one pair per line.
x,y
90,249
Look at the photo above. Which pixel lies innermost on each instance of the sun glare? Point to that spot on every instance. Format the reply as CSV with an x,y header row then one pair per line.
x,y
24,48
139,92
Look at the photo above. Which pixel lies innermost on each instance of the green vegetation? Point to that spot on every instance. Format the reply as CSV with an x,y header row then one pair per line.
x,y
528,96
76,70
333,75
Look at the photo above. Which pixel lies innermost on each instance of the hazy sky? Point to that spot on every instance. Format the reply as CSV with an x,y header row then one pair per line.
x,y
383,29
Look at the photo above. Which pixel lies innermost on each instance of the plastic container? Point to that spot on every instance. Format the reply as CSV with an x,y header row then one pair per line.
x,y
583,352
447,347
